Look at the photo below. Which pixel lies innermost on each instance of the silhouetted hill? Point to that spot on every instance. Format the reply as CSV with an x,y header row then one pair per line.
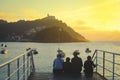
x,y
48,29
3,22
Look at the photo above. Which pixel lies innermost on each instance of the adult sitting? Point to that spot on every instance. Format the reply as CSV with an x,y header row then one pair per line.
x,y
76,63
67,66
88,67
58,63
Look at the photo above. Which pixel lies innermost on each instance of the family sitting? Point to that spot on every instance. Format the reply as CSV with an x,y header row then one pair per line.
x,y
72,66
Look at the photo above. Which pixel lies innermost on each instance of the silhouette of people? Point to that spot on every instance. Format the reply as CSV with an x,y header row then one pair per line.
x,y
76,63
67,66
88,67
58,63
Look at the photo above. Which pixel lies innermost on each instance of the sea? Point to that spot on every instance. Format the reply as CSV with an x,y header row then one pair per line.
x,y
47,51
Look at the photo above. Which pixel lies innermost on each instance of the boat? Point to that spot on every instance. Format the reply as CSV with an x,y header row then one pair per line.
x,y
3,49
88,50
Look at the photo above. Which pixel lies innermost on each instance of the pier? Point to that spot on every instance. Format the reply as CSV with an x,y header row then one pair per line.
x,y
50,76
26,68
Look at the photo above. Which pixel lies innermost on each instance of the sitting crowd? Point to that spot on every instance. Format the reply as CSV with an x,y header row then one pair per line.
x,y
72,66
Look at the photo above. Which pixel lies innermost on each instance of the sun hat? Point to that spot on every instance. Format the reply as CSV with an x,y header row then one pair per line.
x,y
60,53
76,52
59,50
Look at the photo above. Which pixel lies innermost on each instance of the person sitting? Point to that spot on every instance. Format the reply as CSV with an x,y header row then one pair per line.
x,y
76,63
58,63
88,67
67,66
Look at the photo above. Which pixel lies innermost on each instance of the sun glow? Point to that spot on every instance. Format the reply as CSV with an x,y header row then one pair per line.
x,y
88,17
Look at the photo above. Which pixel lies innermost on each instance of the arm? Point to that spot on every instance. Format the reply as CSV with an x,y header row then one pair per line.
x,y
93,64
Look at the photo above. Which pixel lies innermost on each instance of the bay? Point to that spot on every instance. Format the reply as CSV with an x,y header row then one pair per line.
x,y
47,51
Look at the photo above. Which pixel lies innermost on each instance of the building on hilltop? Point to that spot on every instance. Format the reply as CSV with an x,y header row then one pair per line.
x,y
50,17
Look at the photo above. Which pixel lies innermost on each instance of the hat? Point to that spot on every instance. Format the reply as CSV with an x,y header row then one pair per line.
x,y
59,50
76,52
60,53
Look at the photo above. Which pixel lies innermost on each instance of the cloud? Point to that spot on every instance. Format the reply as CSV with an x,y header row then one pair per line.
x,y
29,14
1,15
98,35
83,28
28,11
24,13
80,22
106,12
102,14
7,16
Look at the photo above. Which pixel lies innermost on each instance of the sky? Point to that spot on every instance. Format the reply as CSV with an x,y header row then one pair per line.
x,y
96,20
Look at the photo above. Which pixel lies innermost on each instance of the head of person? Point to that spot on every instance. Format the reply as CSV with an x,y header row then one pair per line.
x,y
89,58
67,59
60,54
76,53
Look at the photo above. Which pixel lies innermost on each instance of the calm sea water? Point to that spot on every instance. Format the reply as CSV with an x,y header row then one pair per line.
x,y
48,51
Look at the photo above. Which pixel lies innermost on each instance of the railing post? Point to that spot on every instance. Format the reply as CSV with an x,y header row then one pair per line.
x,y
24,67
113,66
32,61
103,63
94,54
27,65
18,68
96,61
9,71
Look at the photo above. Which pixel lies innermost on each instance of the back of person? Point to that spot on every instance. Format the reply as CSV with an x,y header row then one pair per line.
x,y
76,65
67,66
88,67
58,65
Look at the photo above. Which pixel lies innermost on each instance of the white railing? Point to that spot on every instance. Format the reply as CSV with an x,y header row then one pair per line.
x,y
24,62
108,62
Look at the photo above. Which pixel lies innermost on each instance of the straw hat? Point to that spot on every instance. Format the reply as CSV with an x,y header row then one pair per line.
x,y
76,52
60,53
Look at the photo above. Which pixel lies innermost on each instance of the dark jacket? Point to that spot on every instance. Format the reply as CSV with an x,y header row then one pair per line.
x,y
88,68
76,64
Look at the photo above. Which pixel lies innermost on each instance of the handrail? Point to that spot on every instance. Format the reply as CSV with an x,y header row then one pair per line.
x,y
108,52
2,65
103,60
27,65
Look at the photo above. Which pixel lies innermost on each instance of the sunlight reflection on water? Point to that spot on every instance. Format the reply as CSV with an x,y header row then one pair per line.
x,y
48,51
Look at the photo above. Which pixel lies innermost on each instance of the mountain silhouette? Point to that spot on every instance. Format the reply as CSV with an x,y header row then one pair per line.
x,y
48,29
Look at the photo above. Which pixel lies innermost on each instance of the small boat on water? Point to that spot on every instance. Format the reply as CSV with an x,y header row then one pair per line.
x,y
88,50
3,45
3,50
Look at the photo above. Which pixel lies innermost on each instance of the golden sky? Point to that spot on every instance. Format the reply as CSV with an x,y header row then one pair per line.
x,y
95,19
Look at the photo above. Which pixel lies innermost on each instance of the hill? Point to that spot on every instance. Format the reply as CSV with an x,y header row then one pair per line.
x,y
48,29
